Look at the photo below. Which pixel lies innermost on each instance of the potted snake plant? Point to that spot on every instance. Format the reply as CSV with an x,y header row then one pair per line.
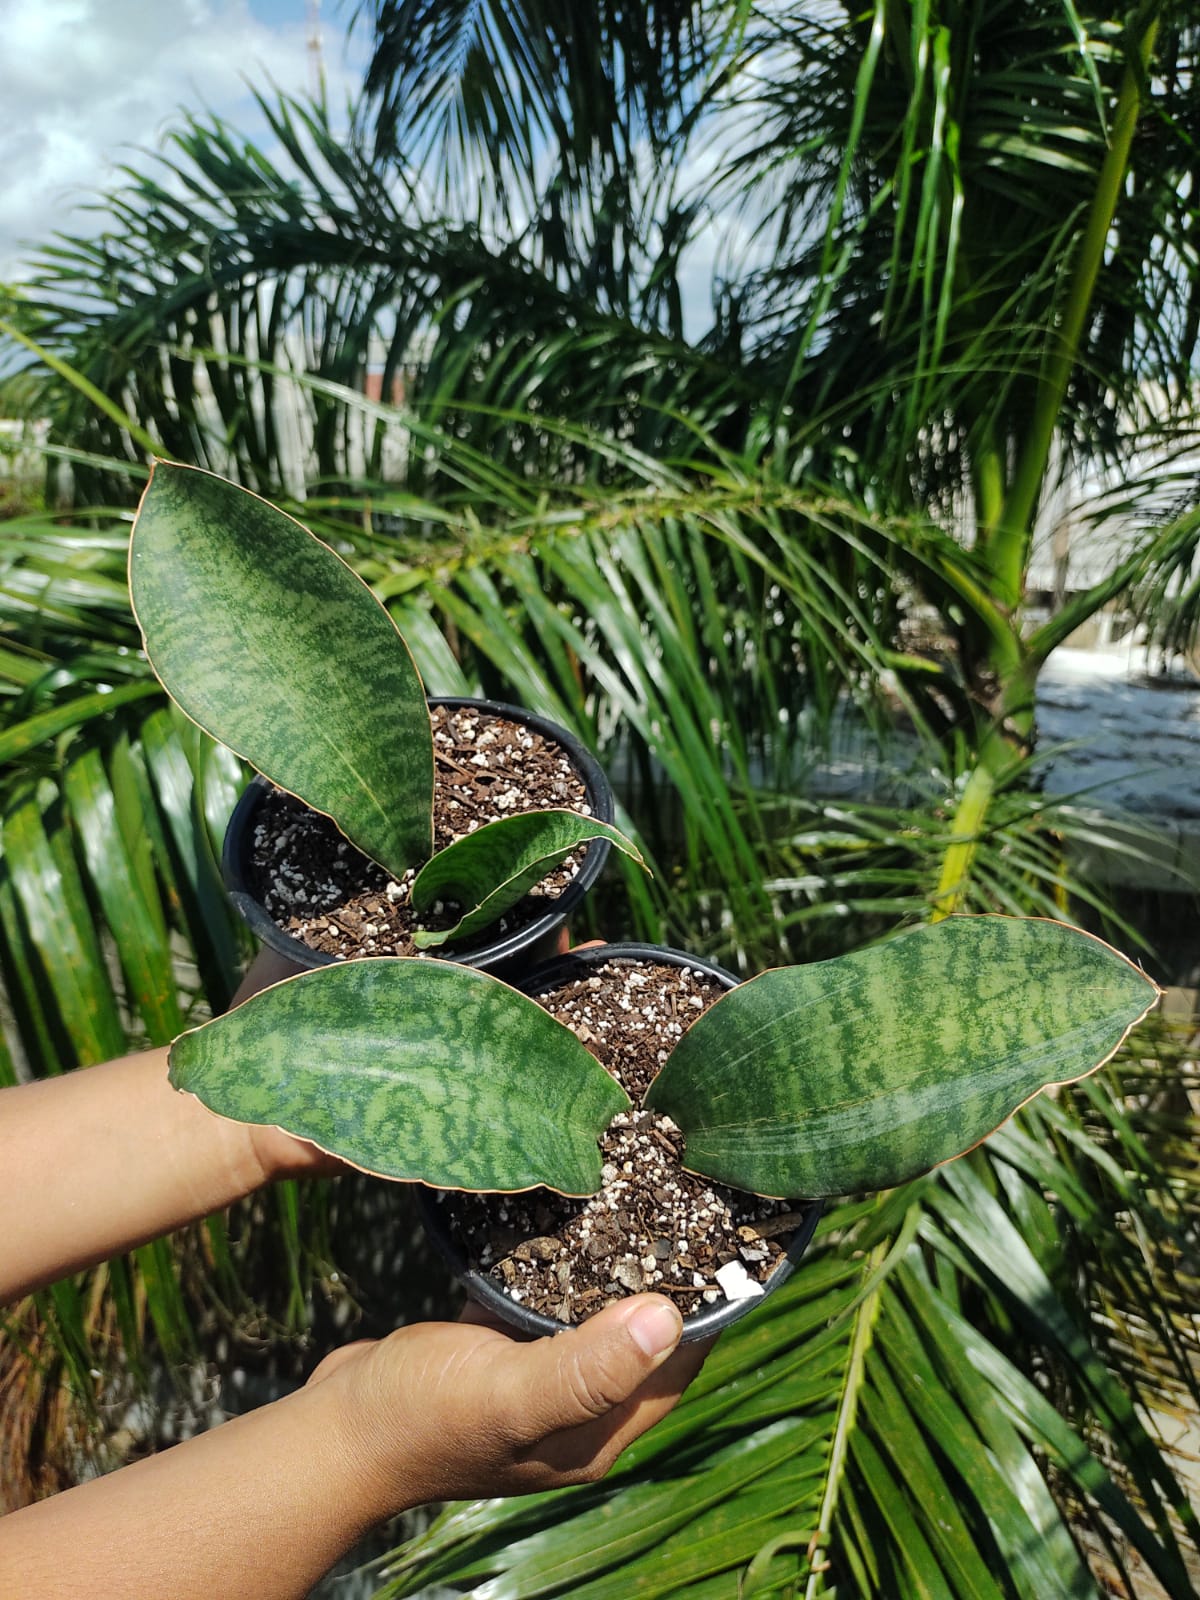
x,y
385,823
838,1077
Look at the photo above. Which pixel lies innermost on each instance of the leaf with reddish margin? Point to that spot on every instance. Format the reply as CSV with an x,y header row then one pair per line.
x,y
865,1071
411,1068
488,871
272,644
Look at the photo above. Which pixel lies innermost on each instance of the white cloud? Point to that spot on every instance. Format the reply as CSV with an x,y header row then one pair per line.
x,y
83,82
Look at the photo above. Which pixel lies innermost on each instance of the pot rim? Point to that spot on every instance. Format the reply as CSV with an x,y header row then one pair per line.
x,y
705,1324
493,954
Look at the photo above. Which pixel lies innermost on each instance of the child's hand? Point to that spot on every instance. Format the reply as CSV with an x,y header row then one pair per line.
x,y
259,1508
443,1411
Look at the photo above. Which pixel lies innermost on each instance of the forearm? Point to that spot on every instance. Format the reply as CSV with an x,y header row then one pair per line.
x,y
107,1157
257,1509
261,1507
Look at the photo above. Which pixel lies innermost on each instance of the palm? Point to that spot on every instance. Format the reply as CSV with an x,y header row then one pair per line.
x,y
748,510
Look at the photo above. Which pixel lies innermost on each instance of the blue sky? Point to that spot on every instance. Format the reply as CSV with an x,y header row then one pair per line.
x,y
278,11
86,84
83,81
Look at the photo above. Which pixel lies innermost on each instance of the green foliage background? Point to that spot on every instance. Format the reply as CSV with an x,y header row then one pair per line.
x,y
721,557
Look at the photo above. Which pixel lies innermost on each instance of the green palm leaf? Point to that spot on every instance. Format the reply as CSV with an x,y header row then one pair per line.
x,y
907,1443
698,549
113,929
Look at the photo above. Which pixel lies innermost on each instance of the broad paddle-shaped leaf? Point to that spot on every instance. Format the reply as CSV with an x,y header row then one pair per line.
x,y
489,870
272,644
863,1072
410,1068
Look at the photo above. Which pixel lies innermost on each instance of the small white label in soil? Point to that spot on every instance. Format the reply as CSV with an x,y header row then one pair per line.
x,y
737,1282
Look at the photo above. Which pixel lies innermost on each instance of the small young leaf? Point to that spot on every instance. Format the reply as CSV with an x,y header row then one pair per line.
x,y
489,870
410,1068
272,644
863,1072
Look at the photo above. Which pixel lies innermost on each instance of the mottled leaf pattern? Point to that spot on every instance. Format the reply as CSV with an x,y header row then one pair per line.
x,y
413,1069
862,1072
489,870
272,644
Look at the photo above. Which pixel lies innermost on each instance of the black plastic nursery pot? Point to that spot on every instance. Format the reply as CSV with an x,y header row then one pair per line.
x,y
510,955
704,1324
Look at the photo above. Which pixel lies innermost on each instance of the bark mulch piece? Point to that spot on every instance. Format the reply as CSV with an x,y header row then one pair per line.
x,y
331,897
652,1226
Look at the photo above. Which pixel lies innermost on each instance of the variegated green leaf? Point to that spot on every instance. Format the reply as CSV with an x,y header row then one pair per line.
x,y
271,643
489,870
411,1068
862,1072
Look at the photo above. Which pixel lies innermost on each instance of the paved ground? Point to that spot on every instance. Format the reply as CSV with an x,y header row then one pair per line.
x,y
1130,741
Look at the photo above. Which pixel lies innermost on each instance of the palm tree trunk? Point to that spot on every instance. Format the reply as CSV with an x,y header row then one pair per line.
x,y
1008,540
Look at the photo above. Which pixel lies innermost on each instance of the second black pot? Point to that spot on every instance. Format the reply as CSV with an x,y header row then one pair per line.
x,y
509,956
701,1324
